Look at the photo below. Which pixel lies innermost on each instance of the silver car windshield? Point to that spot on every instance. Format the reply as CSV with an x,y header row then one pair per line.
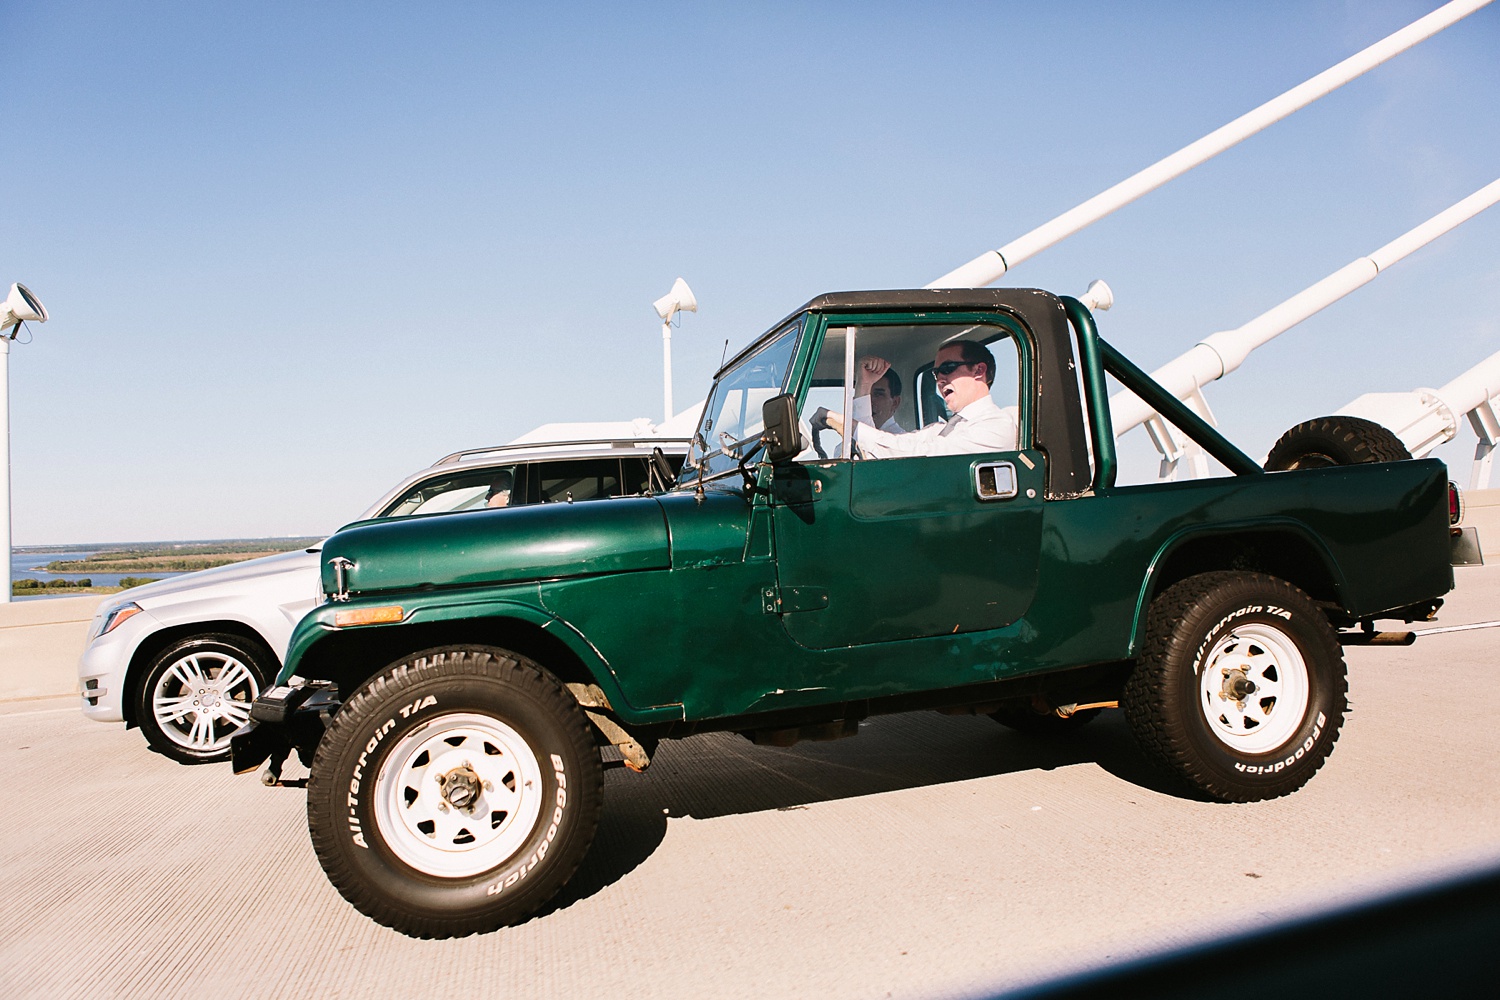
x,y
731,422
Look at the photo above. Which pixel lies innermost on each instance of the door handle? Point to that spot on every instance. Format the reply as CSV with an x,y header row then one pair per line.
x,y
995,480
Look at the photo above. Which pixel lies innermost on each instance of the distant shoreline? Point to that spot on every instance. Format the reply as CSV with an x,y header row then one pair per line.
x,y
179,557
280,543
102,563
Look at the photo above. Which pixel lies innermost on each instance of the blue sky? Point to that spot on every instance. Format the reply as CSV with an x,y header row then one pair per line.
x,y
293,251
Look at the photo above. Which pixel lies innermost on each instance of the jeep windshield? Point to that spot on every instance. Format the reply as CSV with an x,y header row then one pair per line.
x,y
731,422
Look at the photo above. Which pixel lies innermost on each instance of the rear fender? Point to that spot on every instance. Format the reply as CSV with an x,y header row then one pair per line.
x,y
1205,549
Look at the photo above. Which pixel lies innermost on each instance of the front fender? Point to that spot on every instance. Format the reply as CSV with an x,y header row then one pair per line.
x,y
318,628
272,622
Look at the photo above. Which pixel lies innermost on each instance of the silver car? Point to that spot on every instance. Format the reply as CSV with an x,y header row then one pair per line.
x,y
183,658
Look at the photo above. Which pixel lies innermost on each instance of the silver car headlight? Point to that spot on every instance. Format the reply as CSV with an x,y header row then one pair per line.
x,y
116,615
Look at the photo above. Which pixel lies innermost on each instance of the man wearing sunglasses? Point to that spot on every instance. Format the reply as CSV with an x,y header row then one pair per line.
x,y
964,370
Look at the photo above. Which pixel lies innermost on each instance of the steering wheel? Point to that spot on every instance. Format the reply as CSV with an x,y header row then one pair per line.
x,y
819,424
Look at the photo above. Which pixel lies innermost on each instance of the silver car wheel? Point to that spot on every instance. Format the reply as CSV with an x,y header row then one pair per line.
x,y
201,698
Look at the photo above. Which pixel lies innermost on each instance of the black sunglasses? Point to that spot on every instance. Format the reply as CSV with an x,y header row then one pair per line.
x,y
949,367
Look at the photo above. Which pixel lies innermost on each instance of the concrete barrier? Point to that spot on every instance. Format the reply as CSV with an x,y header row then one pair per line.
x,y
40,642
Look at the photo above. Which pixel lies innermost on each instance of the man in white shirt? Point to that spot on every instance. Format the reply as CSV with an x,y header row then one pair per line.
x,y
877,398
878,404
964,370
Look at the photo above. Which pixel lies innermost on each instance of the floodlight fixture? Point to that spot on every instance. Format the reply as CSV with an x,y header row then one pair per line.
x,y
679,299
20,306
1098,296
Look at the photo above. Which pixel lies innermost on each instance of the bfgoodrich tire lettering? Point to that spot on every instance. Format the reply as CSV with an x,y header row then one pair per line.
x,y
455,792
1240,689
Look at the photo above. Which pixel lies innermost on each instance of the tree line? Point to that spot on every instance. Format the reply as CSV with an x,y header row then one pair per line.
x,y
126,582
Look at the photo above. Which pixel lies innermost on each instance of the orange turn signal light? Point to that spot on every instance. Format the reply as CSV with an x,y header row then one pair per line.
x,y
368,616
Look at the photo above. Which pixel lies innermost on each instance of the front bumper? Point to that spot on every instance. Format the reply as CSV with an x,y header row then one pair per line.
x,y
282,719
104,666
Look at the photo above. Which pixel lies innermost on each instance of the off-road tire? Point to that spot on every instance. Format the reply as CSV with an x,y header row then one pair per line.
x,y
458,710
1336,440
1215,630
197,691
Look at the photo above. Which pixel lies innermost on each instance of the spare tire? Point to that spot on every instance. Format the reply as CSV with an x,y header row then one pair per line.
x,y
1336,440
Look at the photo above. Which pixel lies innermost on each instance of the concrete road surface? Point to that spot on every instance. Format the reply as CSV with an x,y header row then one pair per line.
x,y
929,857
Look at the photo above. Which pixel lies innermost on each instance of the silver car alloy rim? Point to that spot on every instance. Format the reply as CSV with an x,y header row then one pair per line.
x,y
458,795
1253,689
202,698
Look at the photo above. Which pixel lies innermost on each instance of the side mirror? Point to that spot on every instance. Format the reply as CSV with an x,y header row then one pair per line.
x,y
783,435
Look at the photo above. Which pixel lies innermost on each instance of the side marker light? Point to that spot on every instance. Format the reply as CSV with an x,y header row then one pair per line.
x,y
368,616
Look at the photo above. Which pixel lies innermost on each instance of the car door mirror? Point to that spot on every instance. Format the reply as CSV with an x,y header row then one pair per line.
x,y
783,435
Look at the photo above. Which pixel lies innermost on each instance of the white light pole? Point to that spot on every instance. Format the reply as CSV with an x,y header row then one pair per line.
x,y
679,299
19,306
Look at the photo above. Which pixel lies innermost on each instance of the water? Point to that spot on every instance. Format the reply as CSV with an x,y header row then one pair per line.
x,y
21,563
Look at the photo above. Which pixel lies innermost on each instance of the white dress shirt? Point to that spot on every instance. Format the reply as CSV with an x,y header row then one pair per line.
x,y
865,415
979,427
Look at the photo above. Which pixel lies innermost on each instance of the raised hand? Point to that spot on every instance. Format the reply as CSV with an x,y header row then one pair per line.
x,y
871,370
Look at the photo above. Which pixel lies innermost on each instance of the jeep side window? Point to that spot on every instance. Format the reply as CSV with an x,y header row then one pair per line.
x,y
1007,386
906,398
825,392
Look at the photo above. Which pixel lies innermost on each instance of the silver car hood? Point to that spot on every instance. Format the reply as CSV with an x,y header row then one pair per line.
x,y
233,576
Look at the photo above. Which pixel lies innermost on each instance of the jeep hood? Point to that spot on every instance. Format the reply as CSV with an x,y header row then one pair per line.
x,y
507,545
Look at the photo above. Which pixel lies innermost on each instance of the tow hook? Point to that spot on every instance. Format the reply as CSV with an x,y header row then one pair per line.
x,y
271,775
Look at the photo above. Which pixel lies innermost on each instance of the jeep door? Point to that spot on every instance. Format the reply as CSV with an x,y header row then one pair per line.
x,y
879,551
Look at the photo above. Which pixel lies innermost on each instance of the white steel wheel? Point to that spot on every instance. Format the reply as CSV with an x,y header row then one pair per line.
x,y
1253,689
458,795
196,693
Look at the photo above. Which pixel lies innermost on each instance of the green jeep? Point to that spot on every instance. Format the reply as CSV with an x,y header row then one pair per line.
x,y
458,694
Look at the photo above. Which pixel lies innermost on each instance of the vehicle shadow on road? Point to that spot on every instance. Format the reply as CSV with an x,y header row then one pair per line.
x,y
723,774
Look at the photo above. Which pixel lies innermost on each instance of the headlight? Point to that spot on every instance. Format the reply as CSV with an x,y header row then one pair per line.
x,y
116,615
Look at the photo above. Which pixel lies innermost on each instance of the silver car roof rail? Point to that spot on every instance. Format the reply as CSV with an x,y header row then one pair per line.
x,y
530,447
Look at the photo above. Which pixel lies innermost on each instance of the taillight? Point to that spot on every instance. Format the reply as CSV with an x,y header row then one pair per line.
x,y
1455,504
